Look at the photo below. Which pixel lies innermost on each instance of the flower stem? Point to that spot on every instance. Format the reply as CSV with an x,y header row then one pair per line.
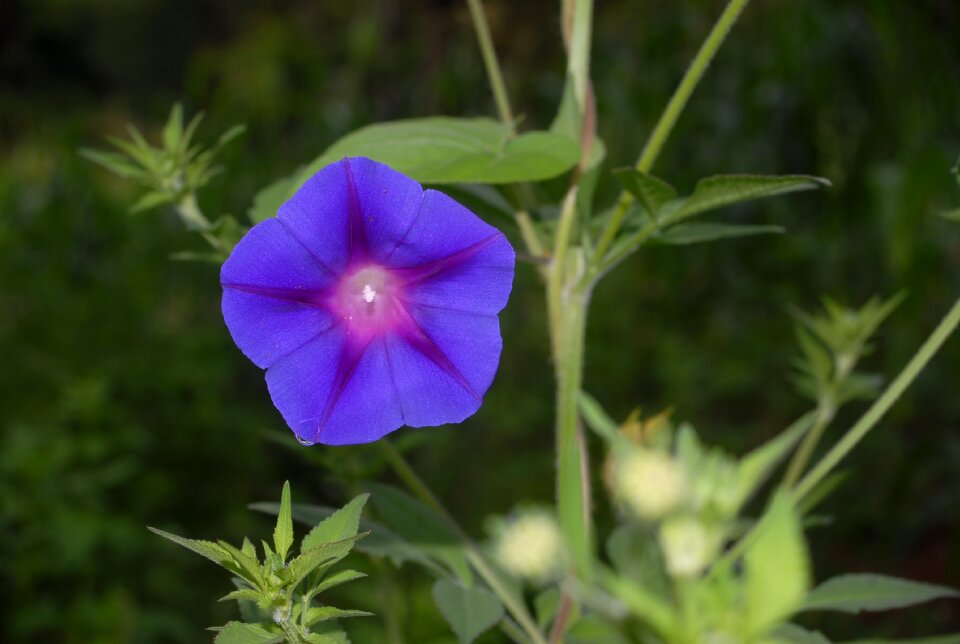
x,y
880,407
825,414
416,485
490,61
670,115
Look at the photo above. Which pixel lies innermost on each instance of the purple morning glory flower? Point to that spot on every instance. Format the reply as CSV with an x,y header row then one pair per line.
x,y
371,302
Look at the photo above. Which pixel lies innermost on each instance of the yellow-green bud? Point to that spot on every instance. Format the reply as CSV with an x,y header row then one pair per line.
x,y
531,546
650,484
688,546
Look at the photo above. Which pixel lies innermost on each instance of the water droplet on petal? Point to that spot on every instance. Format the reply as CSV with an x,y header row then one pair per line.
x,y
304,441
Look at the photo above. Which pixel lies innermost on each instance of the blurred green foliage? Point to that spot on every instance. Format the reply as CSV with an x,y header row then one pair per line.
x,y
124,402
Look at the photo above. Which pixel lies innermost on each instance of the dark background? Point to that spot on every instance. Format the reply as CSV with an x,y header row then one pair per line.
x,y
123,401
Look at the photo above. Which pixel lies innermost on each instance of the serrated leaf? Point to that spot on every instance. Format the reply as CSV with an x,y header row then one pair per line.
x,y
337,578
212,551
240,633
316,614
724,190
249,567
754,468
242,594
776,567
338,526
684,234
454,150
250,610
420,526
650,192
469,611
312,559
869,592
381,542
283,532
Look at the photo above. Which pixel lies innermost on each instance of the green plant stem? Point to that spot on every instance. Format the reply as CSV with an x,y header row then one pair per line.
x,y
882,404
416,485
573,481
825,413
489,55
578,61
670,115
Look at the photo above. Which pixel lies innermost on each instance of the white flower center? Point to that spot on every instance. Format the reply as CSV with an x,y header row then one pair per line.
x,y
368,293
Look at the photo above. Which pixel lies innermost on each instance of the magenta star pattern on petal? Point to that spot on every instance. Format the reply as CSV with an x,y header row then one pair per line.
x,y
371,302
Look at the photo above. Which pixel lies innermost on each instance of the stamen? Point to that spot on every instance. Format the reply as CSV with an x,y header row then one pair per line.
x,y
368,293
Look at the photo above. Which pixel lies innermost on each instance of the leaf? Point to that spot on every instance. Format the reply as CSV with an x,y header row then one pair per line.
x,y
338,526
208,549
249,567
597,419
267,201
317,614
115,163
469,611
339,577
754,468
311,559
724,190
240,633
650,191
242,594
381,542
250,610
793,634
174,128
776,567
151,200
868,592
684,234
452,150
283,532
421,526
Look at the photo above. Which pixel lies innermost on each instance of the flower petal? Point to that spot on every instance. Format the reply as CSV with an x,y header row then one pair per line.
x,y
352,210
270,283
441,229
443,365
336,392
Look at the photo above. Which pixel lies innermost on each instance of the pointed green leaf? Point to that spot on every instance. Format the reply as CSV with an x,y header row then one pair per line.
x,y
469,611
212,551
597,418
650,191
174,128
868,592
249,566
283,532
150,200
684,234
244,594
317,614
311,559
337,578
115,163
240,633
250,610
454,150
340,525
421,526
724,190
754,468
776,567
